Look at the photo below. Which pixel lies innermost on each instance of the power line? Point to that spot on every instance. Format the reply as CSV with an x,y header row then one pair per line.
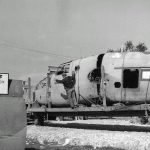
x,y
35,50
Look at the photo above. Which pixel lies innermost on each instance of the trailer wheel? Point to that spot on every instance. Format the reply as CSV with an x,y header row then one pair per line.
x,y
39,119
144,120
51,117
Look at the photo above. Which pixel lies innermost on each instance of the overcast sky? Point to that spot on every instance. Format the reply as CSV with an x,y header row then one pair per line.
x,y
72,28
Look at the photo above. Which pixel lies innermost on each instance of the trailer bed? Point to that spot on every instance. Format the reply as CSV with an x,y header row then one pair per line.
x,y
133,110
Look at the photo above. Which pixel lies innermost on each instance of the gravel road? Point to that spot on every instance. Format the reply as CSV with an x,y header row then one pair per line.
x,y
57,138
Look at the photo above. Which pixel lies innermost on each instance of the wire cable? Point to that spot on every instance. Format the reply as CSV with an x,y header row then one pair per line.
x,y
34,50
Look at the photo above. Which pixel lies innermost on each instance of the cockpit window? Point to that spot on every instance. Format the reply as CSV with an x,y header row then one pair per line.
x,y
63,69
60,70
130,78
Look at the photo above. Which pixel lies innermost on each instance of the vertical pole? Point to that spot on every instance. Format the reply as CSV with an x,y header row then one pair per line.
x,y
104,98
29,91
78,100
103,86
48,96
99,89
33,96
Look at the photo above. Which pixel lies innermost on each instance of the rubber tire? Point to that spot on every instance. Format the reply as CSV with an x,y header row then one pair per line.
x,y
39,119
51,117
144,120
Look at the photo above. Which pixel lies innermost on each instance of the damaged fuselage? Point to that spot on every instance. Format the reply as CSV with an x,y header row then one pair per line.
x,y
116,77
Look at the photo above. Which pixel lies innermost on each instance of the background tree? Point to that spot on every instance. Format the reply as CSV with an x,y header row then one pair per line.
x,y
129,46
113,51
141,47
110,51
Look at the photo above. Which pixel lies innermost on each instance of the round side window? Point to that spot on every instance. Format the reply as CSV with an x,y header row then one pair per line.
x,y
117,84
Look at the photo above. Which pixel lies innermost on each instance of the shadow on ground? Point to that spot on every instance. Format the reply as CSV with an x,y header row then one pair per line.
x,y
101,127
73,148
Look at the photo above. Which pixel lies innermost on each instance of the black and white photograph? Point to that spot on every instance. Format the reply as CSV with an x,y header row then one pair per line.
x,y
74,75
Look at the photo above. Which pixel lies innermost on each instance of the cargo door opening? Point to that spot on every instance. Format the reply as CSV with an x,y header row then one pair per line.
x,y
95,74
99,65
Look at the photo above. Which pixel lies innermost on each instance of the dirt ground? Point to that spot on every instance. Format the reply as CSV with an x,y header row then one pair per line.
x,y
32,145
89,135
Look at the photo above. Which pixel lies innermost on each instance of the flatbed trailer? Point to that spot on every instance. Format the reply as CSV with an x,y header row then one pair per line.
x,y
142,110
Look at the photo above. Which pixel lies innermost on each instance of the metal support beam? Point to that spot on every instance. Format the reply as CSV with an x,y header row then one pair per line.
x,y
48,93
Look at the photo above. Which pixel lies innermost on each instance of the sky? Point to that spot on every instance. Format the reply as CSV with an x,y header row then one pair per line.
x,y
37,33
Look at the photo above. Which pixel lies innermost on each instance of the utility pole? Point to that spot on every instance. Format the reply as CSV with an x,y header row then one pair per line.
x,y
29,91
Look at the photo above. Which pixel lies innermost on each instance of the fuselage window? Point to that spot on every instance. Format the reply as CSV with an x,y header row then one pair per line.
x,y
145,74
130,78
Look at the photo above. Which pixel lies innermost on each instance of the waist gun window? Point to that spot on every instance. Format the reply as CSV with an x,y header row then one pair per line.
x,y
130,78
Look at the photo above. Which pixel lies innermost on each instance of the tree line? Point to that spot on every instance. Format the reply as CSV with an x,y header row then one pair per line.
x,y
129,47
